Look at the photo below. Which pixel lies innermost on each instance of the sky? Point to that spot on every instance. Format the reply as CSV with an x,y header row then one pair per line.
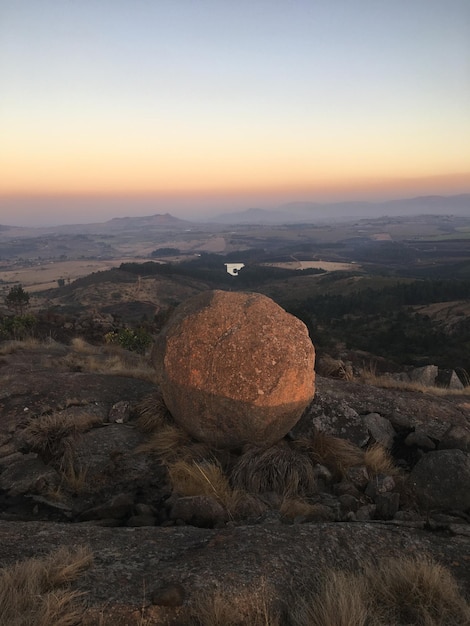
x,y
197,107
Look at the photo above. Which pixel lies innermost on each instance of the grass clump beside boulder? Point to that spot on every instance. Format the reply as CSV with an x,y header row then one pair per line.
x,y
335,453
281,469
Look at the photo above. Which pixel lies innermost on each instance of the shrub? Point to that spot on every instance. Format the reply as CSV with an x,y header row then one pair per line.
x,y
17,327
137,340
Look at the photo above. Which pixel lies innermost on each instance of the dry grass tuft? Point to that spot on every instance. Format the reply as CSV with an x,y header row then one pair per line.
x,y
199,479
370,377
74,477
250,606
107,360
342,600
80,345
281,468
169,443
208,479
393,593
379,461
152,413
53,436
416,591
36,591
336,453
297,507
14,345
333,368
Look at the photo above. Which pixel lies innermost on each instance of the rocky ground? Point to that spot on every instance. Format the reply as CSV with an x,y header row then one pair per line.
x,y
83,462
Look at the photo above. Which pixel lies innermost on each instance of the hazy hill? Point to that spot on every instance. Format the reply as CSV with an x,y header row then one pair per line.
x,y
296,212
115,225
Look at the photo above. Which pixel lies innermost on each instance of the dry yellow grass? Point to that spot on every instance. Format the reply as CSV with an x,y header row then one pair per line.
x,y
416,591
333,368
10,347
379,461
199,479
297,507
370,377
52,436
36,591
74,477
341,601
152,413
252,607
208,479
336,453
118,362
80,345
172,443
281,468
395,592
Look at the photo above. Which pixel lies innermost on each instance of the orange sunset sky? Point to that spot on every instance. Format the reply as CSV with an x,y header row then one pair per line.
x,y
123,107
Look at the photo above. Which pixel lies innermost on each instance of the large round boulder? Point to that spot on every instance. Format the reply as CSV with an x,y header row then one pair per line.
x,y
235,368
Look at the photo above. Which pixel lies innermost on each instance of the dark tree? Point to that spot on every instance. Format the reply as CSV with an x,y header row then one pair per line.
x,y
17,299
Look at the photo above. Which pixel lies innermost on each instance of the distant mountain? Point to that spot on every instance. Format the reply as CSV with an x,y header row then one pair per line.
x,y
301,212
114,225
124,223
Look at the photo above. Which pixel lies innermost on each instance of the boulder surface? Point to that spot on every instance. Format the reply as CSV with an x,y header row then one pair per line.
x,y
235,368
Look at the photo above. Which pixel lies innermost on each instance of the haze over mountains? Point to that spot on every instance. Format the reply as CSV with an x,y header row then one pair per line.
x,y
295,212
290,213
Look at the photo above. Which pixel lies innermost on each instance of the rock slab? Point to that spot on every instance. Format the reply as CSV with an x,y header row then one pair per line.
x,y
235,368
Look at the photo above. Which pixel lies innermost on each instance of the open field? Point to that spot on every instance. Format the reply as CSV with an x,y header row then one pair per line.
x,y
318,265
46,275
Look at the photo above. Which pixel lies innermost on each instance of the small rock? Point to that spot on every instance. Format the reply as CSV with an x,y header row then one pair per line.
x,y
172,594
141,520
424,375
144,509
117,508
421,440
441,480
359,476
387,505
202,511
406,516
449,380
322,513
456,437
379,484
120,412
365,513
346,487
348,502
323,473
381,429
